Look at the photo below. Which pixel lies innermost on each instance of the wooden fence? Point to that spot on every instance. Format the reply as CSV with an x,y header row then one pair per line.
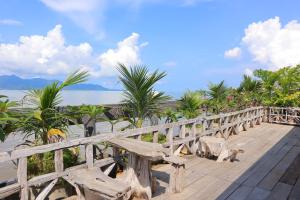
x,y
188,135
284,115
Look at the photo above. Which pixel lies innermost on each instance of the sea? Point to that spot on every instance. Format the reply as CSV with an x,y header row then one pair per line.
x,y
79,97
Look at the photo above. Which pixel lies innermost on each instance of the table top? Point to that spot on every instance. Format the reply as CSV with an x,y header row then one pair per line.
x,y
152,151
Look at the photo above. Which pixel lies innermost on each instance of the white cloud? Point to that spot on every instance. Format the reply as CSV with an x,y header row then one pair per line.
x,y
170,63
10,22
248,72
272,44
127,52
90,14
50,55
233,53
87,14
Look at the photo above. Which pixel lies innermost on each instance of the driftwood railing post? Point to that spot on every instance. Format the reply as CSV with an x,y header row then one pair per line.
x,y
22,177
194,133
155,136
59,160
170,139
89,156
182,131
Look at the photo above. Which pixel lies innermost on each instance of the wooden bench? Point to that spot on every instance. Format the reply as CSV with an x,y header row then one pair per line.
x,y
97,185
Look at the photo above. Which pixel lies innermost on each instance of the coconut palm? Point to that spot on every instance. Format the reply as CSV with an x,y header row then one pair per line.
x,y
7,117
190,103
44,117
141,100
170,115
250,91
217,94
91,114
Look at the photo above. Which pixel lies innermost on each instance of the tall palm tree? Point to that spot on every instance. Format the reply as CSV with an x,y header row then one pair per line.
x,y
217,95
45,120
190,103
141,100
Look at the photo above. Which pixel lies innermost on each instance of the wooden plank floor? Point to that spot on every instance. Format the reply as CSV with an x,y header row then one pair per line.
x,y
269,169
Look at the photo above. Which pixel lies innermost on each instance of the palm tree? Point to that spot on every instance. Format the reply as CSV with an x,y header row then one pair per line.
x,y
190,103
217,96
250,90
7,117
170,115
141,100
91,114
45,120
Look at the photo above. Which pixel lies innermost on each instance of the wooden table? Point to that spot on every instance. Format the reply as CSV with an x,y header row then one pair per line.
x,y
138,172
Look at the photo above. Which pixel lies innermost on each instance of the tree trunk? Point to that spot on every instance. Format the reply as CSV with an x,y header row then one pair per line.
x,y
138,175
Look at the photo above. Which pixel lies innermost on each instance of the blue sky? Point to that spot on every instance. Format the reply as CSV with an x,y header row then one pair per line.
x,y
194,41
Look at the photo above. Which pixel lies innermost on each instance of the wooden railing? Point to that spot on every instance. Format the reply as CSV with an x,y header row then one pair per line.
x,y
284,115
188,135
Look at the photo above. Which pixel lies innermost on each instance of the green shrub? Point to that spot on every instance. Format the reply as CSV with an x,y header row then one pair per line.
x,y
44,163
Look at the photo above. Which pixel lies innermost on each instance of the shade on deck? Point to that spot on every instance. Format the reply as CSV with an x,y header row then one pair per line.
x,y
269,169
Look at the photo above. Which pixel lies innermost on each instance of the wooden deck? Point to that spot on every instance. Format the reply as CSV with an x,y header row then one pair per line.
x,y
269,169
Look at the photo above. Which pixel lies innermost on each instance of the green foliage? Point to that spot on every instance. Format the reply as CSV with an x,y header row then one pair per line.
x,y
217,94
149,138
281,87
8,118
170,115
141,100
190,103
39,164
45,115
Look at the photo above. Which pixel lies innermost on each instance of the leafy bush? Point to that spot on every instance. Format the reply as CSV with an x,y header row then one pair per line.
x,y
44,163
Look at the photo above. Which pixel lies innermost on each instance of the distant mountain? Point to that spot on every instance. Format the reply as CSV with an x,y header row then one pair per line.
x,y
13,82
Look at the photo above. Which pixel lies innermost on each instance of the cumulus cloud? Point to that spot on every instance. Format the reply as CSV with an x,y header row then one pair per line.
x,y
10,22
50,55
273,44
127,52
233,53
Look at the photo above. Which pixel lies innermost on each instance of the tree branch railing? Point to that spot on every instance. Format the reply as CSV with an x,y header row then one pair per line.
x,y
281,115
187,134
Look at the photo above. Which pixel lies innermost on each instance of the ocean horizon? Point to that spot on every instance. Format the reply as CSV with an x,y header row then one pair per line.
x,y
79,97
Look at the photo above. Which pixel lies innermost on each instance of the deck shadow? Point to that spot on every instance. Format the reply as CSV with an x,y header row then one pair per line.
x,y
264,178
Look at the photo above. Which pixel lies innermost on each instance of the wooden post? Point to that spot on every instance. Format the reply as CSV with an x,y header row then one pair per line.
x,y
22,178
194,132
89,156
155,137
176,178
139,137
138,176
59,160
182,131
204,125
170,139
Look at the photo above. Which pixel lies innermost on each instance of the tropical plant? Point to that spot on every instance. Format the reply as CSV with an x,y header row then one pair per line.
x,y
280,87
190,103
45,117
92,113
170,115
7,117
250,90
141,100
217,94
